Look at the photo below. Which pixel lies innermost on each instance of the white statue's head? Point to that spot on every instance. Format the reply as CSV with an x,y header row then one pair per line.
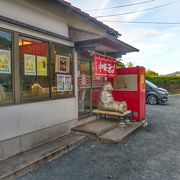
x,y
107,86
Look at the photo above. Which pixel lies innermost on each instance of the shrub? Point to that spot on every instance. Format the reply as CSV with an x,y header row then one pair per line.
x,y
171,83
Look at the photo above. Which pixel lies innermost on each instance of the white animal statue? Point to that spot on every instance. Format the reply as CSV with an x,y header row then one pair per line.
x,y
106,101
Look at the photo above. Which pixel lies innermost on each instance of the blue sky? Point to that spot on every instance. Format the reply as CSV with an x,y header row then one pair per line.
x,y
159,45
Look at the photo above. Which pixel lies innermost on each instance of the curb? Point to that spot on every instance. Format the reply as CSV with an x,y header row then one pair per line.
x,y
42,160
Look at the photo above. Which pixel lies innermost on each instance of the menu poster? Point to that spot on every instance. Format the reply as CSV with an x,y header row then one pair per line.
x,y
29,64
68,83
60,83
41,66
5,61
62,64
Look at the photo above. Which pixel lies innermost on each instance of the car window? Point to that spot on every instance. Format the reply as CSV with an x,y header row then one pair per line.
x,y
149,84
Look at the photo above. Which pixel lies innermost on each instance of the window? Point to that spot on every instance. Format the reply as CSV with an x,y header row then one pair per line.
x,y
45,69
62,71
97,83
84,87
34,68
6,90
127,82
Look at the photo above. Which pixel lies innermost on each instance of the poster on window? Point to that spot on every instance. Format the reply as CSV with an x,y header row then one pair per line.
x,y
62,64
5,61
64,82
60,82
29,65
41,66
68,83
97,81
84,81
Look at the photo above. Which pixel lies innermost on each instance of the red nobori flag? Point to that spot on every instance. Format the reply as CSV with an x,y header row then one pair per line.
x,y
104,66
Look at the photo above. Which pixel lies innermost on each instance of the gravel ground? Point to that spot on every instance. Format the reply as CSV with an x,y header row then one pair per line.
x,y
152,153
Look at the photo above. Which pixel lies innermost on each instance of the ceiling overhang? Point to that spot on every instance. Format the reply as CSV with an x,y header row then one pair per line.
x,y
105,45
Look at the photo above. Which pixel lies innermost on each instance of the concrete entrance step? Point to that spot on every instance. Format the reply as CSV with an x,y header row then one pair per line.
x,y
120,132
24,162
97,127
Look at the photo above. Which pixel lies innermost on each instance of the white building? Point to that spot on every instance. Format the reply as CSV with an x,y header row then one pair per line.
x,y
43,44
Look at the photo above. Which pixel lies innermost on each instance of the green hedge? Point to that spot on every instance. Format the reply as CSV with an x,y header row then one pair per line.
x,y
171,83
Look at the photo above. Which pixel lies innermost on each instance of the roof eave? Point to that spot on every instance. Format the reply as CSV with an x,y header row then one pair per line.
x,y
87,17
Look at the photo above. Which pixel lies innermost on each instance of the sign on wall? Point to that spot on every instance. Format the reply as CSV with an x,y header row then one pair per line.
x,y
104,66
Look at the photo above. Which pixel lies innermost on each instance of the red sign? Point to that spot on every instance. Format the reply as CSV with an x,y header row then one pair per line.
x,y
97,81
84,81
104,66
34,48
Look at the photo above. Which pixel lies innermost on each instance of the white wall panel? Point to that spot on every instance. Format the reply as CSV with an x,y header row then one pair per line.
x,y
9,126
32,15
21,119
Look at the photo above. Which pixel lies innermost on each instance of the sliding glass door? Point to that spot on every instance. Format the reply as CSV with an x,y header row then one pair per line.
x,y
84,88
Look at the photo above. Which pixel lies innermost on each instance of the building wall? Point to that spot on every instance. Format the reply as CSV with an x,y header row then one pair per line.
x,y
33,15
18,144
27,125
65,15
17,120
46,15
34,33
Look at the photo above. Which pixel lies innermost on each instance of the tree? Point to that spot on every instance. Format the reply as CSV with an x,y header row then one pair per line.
x,y
120,64
151,73
129,65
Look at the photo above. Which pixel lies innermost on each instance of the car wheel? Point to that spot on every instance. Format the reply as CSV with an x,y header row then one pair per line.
x,y
152,99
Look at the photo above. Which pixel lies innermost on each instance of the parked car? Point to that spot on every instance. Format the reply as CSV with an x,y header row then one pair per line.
x,y
154,94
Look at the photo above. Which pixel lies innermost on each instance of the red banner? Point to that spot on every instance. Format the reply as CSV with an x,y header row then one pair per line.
x,y
104,66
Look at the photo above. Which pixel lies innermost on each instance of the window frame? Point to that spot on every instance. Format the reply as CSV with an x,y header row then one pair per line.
x,y
15,68
33,99
72,72
12,68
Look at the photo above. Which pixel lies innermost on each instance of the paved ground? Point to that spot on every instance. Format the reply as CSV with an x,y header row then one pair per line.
x,y
152,153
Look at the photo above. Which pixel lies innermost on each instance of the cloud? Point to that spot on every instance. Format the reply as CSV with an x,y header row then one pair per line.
x,y
149,33
102,4
159,44
160,53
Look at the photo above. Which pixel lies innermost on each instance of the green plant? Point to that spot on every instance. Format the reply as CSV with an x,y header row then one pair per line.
x,y
171,83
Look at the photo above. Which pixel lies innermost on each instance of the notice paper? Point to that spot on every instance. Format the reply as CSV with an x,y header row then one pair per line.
x,y
5,61
41,66
29,64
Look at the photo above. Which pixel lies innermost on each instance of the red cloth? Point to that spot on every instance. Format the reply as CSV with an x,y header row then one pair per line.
x,y
104,66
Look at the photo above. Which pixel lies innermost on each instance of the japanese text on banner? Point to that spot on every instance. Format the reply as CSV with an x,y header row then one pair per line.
x,y
104,66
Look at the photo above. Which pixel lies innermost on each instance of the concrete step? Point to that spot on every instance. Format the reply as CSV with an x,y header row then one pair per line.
x,y
97,127
24,162
120,132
